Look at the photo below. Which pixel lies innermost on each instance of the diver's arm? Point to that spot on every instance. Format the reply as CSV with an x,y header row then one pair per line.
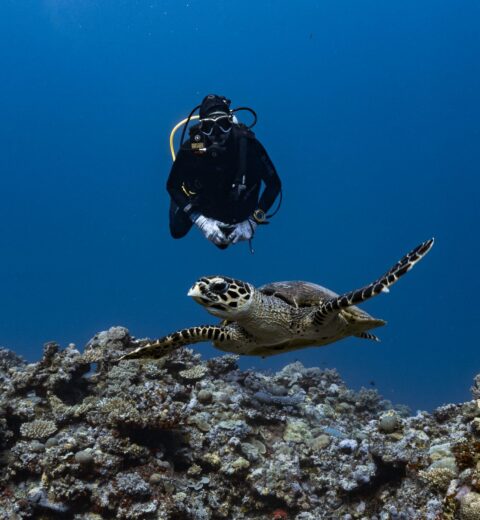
x,y
269,176
176,180
182,166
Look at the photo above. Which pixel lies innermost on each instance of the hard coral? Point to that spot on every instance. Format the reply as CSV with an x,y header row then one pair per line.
x,y
438,478
194,373
38,429
470,507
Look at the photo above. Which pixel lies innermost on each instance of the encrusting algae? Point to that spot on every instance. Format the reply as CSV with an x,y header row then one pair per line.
x,y
181,438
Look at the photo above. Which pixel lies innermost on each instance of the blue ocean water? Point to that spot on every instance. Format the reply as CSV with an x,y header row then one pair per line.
x,y
369,110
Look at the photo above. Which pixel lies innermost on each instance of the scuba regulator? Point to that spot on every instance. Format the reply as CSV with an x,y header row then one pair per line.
x,y
200,143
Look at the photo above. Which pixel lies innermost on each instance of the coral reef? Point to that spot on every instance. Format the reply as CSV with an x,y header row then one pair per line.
x,y
180,438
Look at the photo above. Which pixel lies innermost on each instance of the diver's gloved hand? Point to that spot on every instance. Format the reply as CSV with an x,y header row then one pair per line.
x,y
211,228
243,231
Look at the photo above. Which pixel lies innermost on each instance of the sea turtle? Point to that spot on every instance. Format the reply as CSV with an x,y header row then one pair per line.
x,y
279,317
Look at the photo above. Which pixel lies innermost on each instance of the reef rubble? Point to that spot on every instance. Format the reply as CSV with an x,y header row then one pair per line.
x,y
85,437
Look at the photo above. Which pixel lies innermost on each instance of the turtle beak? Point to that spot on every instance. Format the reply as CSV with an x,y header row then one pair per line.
x,y
194,292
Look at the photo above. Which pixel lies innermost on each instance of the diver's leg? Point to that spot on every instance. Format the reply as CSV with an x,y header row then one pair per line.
x,y
180,222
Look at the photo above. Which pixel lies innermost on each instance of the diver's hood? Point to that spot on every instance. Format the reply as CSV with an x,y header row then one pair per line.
x,y
214,103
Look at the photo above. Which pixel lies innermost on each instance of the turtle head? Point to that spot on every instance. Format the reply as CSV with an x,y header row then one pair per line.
x,y
222,296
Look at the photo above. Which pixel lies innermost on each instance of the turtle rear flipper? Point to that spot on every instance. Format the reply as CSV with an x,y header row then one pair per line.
x,y
334,305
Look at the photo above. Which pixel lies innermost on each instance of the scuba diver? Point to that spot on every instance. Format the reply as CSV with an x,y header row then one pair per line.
x,y
217,175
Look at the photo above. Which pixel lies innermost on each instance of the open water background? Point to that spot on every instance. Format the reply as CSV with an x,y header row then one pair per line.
x,y
370,111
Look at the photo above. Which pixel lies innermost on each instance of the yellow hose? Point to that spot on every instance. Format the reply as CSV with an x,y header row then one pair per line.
x,y
175,128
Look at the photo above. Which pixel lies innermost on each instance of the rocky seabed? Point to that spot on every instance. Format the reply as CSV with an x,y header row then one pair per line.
x,y
85,437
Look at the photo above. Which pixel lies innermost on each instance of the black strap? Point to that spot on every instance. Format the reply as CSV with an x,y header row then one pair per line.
x,y
241,175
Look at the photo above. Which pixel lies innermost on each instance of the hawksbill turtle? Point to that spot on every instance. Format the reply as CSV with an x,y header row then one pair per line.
x,y
279,317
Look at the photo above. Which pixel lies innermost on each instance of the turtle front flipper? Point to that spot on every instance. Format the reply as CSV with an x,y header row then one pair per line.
x,y
163,346
334,305
367,335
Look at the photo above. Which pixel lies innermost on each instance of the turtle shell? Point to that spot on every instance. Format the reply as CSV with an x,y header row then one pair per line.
x,y
306,294
298,293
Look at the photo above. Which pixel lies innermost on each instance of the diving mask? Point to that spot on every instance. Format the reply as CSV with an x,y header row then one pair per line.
x,y
222,121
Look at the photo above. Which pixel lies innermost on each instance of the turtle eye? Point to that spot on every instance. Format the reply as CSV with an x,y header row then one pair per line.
x,y
219,287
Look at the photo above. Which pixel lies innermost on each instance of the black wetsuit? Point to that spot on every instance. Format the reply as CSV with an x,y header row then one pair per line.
x,y
204,184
